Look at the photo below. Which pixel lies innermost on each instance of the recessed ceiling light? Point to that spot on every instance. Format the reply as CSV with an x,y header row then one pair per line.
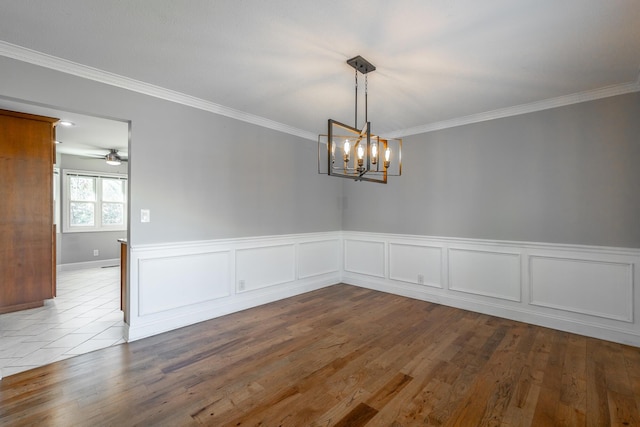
x,y
66,123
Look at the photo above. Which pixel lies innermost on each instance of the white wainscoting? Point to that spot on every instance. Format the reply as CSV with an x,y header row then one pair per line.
x,y
318,258
184,279
582,289
174,285
484,272
416,264
265,266
364,257
596,288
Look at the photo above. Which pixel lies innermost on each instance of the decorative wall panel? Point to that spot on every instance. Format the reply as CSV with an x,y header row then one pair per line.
x,y
175,281
317,258
596,288
364,257
483,272
265,266
417,264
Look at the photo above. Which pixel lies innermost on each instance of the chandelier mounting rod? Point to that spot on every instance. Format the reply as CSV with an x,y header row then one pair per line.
x,y
363,66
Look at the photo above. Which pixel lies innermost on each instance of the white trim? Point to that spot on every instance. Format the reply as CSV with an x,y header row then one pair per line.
x,y
327,267
559,322
248,242
545,104
363,266
23,54
436,241
89,264
219,307
440,273
272,255
625,316
69,67
452,277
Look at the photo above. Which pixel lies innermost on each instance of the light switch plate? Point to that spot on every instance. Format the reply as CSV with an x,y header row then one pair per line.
x,y
145,215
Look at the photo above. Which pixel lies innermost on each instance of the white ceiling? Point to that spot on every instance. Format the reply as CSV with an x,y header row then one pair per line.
x,y
284,60
89,136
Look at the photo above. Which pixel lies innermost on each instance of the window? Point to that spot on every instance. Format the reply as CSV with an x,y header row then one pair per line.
x,y
94,201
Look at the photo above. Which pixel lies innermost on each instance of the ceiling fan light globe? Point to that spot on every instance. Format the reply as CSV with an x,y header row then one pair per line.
x,y
113,158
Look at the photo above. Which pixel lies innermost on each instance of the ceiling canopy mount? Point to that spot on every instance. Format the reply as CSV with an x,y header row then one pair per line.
x,y
361,64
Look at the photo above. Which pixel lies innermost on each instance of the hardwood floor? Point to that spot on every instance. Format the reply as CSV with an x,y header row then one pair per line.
x,y
340,356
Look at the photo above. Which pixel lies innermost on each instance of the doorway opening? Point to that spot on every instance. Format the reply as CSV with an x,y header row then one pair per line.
x,y
86,313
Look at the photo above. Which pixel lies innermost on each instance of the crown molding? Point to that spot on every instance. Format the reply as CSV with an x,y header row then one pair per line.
x,y
561,101
69,67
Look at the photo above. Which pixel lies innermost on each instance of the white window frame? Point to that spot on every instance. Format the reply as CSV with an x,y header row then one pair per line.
x,y
56,199
66,202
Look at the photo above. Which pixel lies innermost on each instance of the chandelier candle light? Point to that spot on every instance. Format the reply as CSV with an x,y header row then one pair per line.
x,y
360,149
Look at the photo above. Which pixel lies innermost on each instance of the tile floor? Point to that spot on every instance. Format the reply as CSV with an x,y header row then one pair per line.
x,y
85,316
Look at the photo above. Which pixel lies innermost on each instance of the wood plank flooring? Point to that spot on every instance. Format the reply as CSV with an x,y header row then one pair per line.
x,y
340,356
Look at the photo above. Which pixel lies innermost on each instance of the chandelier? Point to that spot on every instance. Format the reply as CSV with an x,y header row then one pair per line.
x,y
356,153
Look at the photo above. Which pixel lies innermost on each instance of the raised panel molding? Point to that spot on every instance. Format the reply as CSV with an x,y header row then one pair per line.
x,y
171,282
417,264
318,258
595,288
485,272
364,257
258,268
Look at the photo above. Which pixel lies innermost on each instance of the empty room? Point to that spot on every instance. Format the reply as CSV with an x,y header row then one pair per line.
x,y
337,213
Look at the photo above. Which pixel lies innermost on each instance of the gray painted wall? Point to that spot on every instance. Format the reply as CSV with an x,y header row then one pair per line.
x,y
79,247
224,179
565,175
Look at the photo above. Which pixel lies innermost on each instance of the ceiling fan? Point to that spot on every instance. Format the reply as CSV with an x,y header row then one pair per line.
x,y
113,158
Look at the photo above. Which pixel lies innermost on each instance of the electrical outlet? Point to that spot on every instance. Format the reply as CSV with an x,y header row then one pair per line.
x,y
420,279
241,285
96,252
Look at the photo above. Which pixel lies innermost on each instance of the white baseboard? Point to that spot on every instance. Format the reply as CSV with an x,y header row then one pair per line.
x,y
88,264
210,310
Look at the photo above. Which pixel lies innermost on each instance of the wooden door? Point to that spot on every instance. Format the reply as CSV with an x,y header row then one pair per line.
x,y
26,210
